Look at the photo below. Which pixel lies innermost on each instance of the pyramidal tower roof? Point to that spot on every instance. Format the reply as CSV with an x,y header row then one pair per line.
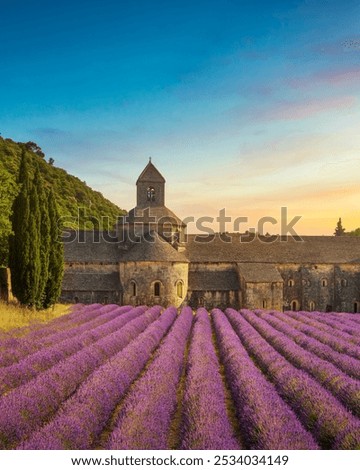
x,y
150,174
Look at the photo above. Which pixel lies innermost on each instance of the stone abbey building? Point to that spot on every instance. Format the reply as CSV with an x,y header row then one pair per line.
x,y
150,259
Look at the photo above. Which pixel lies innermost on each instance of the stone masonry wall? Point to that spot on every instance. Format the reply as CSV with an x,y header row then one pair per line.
x,y
263,295
145,274
322,287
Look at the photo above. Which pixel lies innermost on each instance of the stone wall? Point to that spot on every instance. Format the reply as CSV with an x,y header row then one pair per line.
x,y
87,282
145,274
323,287
305,286
213,299
90,297
263,295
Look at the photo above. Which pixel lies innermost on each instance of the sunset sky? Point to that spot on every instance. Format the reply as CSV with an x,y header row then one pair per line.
x,y
245,105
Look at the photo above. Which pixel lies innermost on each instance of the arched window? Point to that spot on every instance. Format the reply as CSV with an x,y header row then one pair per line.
x,y
344,283
295,305
311,306
150,193
356,307
180,289
264,304
291,283
133,289
76,300
157,289
324,282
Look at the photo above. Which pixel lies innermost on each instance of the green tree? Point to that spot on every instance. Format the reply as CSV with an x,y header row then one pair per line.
x,y
44,236
8,190
33,147
354,233
339,230
34,272
56,256
20,242
36,253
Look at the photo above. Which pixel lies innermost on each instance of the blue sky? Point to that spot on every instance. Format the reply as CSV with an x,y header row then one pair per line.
x,y
247,105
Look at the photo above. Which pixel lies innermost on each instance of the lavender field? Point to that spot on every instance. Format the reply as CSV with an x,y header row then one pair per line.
x,y
110,377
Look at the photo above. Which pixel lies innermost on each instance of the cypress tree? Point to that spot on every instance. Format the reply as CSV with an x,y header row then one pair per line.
x,y
45,237
339,229
34,272
19,241
56,256
36,253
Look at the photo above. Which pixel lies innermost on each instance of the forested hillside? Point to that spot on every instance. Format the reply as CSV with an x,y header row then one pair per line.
x,y
71,193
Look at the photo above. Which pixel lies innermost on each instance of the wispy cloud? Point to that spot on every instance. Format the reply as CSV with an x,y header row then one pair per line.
x,y
342,77
295,110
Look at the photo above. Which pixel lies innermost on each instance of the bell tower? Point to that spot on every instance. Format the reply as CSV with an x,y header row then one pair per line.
x,y
150,213
150,187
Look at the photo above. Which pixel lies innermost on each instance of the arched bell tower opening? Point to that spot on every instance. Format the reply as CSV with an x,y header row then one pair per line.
x,y
150,194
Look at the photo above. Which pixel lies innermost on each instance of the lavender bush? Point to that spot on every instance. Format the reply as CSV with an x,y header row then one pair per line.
x,y
18,348
347,364
82,418
206,424
145,417
320,412
25,408
266,421
343,387
338,341
21,372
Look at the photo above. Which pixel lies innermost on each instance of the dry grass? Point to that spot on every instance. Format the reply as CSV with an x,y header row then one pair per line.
x,y
12,316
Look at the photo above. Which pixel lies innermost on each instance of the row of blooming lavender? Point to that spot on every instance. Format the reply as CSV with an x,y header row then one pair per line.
x,y
331,423
147,378
26,407
15,348
343,387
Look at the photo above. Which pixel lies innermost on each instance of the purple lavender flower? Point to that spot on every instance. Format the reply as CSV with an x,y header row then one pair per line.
x,y
338,341
339,384
347,364
145,417
332,323
27,407
27,368
15,349
319,411
82,417
266,421
206,424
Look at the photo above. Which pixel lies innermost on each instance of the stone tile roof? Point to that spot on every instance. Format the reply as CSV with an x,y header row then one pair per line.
x,y
259,272
311,250
88,246
95,282
155,213
153,248
151,174
314,249
213,280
